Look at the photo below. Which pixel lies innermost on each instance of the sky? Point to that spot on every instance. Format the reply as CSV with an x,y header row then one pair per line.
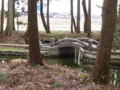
x,y
64,6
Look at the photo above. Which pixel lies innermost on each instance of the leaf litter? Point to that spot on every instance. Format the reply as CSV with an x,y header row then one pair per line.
x,y
22,76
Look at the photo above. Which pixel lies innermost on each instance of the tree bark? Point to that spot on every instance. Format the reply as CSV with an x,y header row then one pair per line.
x,y
78,16
75,28
71,11
34,49
9,27
42,16
2,17
89,20
72,19
48,23
100,70
85,15
13,15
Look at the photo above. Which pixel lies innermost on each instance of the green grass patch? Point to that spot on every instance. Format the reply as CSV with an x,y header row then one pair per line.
x,y
3,80
1,74
59,73
11,48
3,77
57,85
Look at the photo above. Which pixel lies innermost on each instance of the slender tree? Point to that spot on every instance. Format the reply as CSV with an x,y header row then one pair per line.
x,y
9,28
85,15
48,23
78,16
71,11
72,18
89,19
14,14
42,16
75,28
2,16
100,70
45,24
34,49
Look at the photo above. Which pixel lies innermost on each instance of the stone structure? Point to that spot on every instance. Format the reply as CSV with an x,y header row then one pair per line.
x,y
86,47
68,45
65,47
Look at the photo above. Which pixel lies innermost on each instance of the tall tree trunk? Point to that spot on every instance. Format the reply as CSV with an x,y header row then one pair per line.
x,y
9,28
72,18
48,23
2,16
13,15
75,28
42,16
71,11
34,49
100,71
89,19
78,16
85,15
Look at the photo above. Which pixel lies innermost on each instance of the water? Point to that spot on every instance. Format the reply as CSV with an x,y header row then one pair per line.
x,y
74,62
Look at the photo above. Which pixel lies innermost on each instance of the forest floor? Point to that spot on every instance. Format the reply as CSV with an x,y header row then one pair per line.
x,y
22,76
